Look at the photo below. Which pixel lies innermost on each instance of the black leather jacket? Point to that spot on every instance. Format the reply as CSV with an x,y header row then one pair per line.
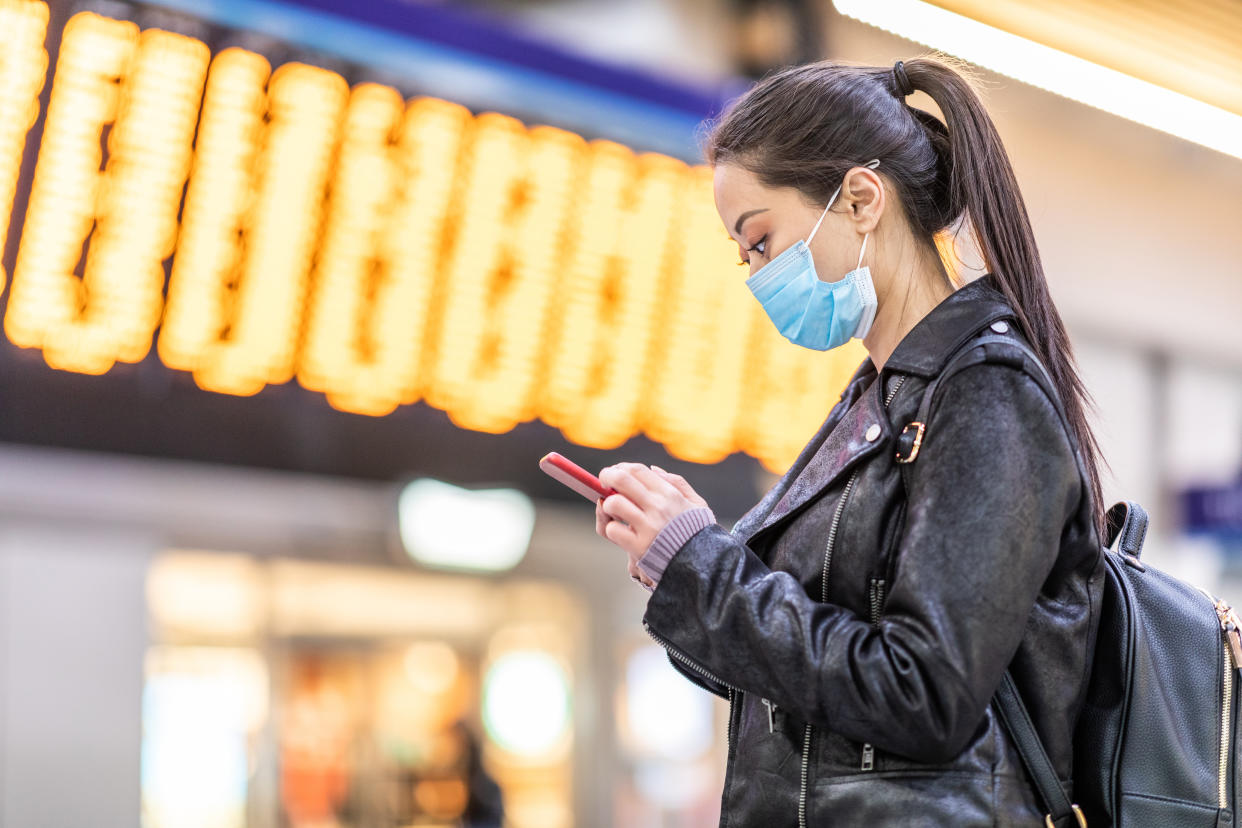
x,y
859,634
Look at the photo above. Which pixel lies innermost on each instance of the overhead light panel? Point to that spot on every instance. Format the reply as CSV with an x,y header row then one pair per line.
x,y
448,527
1053,70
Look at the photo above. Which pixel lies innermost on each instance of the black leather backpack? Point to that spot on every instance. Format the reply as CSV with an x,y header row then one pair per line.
x,y
1156,741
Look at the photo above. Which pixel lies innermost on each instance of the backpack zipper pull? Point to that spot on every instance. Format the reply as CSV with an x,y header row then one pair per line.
x,y
1231,626
868,757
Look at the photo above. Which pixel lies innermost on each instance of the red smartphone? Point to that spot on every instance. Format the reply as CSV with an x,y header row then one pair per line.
x,y
566,471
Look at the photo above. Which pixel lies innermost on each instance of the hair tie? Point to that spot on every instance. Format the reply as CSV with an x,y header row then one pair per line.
x,y
900,80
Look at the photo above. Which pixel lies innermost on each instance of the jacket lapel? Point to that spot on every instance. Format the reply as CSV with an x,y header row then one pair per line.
x,y
751,522
836,453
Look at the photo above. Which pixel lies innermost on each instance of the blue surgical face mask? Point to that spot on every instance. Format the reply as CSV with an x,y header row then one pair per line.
x,y
807,310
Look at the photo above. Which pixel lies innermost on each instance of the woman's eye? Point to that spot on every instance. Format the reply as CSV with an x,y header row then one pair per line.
x,y
760,247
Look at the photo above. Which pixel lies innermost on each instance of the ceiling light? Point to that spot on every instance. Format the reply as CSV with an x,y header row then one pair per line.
x,y
1054,70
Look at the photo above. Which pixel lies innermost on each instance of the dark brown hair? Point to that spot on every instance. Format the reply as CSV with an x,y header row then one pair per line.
x,y
805,126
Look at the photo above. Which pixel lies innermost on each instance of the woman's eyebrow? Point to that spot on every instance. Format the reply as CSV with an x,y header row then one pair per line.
x,y
737,228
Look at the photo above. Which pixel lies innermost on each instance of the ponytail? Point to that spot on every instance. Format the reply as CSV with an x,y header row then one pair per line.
x,y
806,126
981,186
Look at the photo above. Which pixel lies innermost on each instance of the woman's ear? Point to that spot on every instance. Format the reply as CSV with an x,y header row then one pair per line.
x,y
863,194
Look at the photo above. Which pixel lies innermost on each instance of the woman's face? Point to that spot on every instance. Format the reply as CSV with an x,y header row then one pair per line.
x,y
765,221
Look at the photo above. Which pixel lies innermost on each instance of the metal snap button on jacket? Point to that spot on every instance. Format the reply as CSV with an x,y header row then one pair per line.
x,y
873,431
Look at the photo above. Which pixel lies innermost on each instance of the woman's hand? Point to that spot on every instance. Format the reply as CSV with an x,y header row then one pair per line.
x,y
647,499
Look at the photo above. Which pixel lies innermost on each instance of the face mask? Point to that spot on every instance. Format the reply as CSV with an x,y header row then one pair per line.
x,y
808,311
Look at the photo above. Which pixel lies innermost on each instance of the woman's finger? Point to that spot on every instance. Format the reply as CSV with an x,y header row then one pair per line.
x,y
601,518
655,483
636,572
620,507
638,575
620,534
680,484
621,481
623,477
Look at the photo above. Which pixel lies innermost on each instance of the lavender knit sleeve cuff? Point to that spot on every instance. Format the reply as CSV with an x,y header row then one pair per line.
x,y
671,538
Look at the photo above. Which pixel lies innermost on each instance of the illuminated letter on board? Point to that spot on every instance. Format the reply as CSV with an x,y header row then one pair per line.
x,y
144,89
505,271
270,220
23,63
371,300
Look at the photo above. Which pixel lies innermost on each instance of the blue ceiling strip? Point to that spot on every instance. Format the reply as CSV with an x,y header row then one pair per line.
x,y
487,37
483,80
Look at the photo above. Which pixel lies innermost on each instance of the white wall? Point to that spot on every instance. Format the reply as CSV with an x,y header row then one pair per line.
x,y
72,641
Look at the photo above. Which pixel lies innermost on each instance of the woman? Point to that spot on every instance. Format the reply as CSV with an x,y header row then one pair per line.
x,y
861,616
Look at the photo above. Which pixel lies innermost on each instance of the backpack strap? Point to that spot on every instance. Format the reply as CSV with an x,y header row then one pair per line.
x,y
1017,721
1127,527
990,348
1009,705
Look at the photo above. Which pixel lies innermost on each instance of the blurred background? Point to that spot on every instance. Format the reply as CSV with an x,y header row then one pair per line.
x,y
298,292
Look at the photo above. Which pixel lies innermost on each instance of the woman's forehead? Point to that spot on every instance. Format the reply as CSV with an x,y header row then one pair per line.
x,y
732,181
737,190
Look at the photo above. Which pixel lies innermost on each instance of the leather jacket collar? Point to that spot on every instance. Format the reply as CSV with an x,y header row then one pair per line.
x,y
937,336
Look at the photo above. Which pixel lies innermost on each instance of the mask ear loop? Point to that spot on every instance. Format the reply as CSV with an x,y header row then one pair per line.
x,y
822,215
871,165
862,250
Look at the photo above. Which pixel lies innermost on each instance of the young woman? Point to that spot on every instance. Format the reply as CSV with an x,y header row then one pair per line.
x,y
861,616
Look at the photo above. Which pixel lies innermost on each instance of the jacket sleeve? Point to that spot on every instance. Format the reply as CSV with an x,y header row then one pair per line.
x,y
990,491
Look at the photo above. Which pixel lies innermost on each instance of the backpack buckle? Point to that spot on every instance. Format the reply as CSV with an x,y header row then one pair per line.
x,y
914,447
1082,820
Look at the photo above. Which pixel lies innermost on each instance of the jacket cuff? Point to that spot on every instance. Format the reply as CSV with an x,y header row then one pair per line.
x,y
672,538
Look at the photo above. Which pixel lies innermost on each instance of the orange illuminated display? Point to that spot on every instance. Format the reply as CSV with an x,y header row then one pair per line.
x,y
382,251
23,63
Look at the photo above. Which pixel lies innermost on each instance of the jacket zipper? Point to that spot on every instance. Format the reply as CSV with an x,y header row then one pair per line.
x,y
877,599
806,738
832,538
877,603
686,660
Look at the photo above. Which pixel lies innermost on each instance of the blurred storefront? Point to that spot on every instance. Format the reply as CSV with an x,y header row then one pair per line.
x,y
386,689
267,653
